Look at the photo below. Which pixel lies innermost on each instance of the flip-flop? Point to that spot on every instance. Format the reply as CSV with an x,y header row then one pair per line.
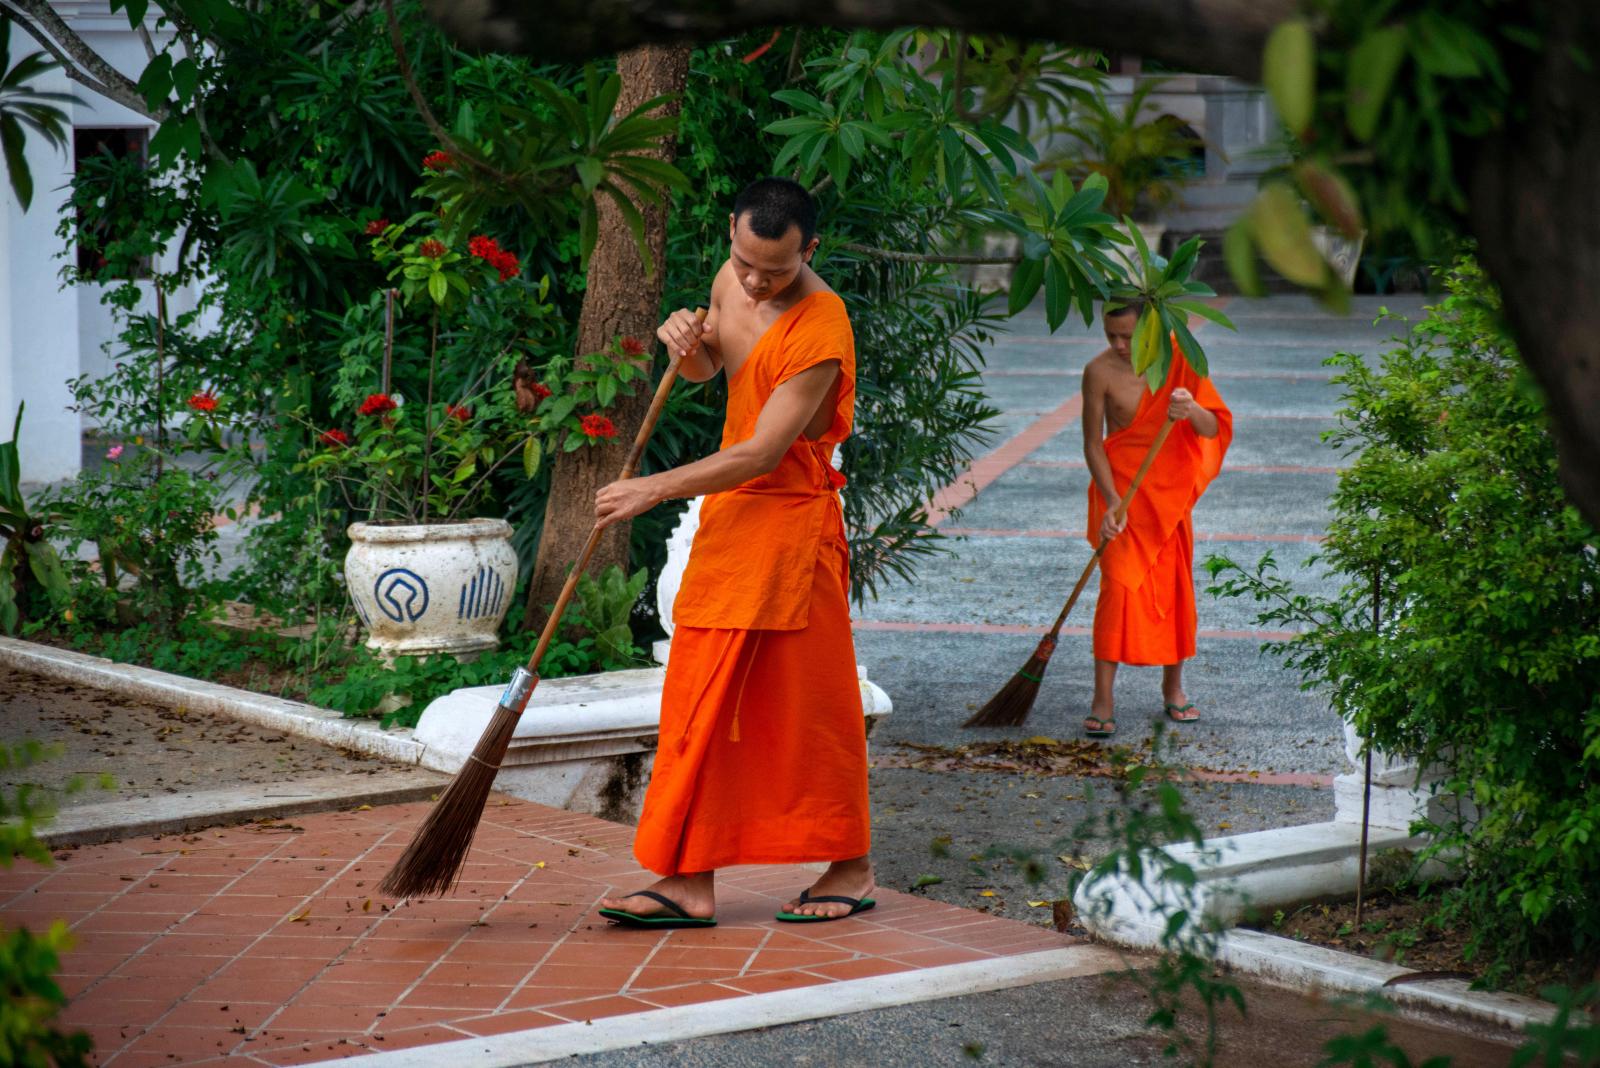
x,y
624,918
856,905
1175,712
1103,728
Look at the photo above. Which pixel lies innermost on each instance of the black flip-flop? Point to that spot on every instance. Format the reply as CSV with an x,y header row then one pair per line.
x,y
856,905
624,918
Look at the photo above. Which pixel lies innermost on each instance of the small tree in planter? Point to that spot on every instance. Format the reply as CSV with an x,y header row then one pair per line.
x,y
424,573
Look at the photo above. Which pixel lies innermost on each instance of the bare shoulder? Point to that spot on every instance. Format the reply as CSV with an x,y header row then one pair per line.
x,y
1095,372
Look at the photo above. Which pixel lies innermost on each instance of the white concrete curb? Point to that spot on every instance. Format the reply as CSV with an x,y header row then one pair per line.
x,y
273,713
748,1013
1282,867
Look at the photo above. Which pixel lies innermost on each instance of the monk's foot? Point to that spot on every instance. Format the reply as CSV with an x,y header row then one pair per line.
x,y
1178,707
1100,721
844,878
695,894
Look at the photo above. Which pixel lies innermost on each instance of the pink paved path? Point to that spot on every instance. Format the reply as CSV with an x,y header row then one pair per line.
x,y
263,944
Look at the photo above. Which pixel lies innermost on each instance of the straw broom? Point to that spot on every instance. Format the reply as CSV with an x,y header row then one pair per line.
x,y
432,862
1011,705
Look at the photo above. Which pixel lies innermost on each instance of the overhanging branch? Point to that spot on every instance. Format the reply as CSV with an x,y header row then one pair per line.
x,y
78,60
1222,36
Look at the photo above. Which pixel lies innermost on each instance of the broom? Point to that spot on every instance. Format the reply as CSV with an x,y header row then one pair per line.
x,y
432,862
1011,705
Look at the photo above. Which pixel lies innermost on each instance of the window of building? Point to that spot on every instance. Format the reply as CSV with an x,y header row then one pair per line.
x,y
114,157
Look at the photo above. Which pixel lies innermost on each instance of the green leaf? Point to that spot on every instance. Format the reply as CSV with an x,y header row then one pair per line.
x,y
438,288
530,456
11,142
1239,252
155,84
1284,237
605,391
1371,70
1025,282
1288,69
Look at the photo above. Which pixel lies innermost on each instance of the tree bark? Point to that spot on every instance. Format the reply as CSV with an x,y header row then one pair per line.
x,y
619,300
1534,214
1532,203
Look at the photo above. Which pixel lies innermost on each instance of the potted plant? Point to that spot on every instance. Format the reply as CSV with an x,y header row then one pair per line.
x,y
427,574
1142,157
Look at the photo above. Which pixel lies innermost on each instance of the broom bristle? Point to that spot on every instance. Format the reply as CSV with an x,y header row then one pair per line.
x,y
1011,705
432,862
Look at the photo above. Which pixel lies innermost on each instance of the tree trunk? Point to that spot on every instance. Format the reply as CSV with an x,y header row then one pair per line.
x,y
619,301
1533,212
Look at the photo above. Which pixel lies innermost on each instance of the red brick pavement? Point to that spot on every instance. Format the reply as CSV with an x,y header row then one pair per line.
x,y
264,944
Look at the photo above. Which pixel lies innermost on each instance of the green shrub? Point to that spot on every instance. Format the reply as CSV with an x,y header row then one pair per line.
x,y
1486,652
29,961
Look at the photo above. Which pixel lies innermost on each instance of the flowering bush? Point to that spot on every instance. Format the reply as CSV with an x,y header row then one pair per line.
x,y
572,395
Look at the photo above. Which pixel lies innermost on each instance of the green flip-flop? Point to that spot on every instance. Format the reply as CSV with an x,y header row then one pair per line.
x,y
856,905
1102,728
1176,712
624,918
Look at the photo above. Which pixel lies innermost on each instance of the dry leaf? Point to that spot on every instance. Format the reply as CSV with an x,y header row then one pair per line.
x,y
986,893
1040,904
366,906
301,918
363,808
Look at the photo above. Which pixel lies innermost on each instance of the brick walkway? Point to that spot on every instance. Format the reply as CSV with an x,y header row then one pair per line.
x,y
263,944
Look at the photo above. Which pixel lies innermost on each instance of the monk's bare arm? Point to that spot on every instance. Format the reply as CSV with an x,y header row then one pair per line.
x,y
1094,428
783,418
680,332
1184,406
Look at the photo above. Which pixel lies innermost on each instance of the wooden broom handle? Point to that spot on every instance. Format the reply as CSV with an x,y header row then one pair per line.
x,y
1122,514
629,469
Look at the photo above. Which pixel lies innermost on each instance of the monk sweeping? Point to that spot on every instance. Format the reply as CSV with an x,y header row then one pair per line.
x,y
762,755
1146,611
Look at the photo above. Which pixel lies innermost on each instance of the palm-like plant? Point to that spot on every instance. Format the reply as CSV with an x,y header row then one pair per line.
x,y
23,108
1136,154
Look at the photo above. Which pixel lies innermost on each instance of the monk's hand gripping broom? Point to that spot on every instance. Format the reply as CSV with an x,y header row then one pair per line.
x,y
1011,705
432,862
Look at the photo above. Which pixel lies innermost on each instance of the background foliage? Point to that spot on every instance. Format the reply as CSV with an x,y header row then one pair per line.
x,y
1451,526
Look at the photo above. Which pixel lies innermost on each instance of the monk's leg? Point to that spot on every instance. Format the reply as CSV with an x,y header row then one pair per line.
x,y
844,878
695,893
1172,692
1105,677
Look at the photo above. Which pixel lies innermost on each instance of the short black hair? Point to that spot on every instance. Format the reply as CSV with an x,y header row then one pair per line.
x,y
1133,307
771,205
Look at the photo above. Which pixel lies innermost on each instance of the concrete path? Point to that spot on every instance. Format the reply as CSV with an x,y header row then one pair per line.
x,y
942,645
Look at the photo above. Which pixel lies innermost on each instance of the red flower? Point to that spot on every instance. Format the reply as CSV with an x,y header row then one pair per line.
x,y
597,426
376,227
203,402
334,439
458,411
540,391
377,404
489,250
632,346
438,161
432,248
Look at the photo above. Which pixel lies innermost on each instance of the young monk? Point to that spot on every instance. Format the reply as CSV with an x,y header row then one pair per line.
x,y
762,755
1146,610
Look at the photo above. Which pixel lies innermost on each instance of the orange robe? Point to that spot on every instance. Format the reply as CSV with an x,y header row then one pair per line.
x,y
762,756
1146,612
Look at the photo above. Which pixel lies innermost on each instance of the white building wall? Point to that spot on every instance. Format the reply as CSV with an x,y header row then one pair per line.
x,y
50,333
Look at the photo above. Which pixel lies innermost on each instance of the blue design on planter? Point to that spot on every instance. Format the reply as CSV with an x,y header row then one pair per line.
x,y
482,596
401,595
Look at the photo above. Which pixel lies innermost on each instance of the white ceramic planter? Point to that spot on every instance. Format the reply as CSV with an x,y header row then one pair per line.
x,y
442,588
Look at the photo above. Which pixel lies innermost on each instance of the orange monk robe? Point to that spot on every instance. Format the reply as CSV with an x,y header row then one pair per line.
x,y
1146,612
762,757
